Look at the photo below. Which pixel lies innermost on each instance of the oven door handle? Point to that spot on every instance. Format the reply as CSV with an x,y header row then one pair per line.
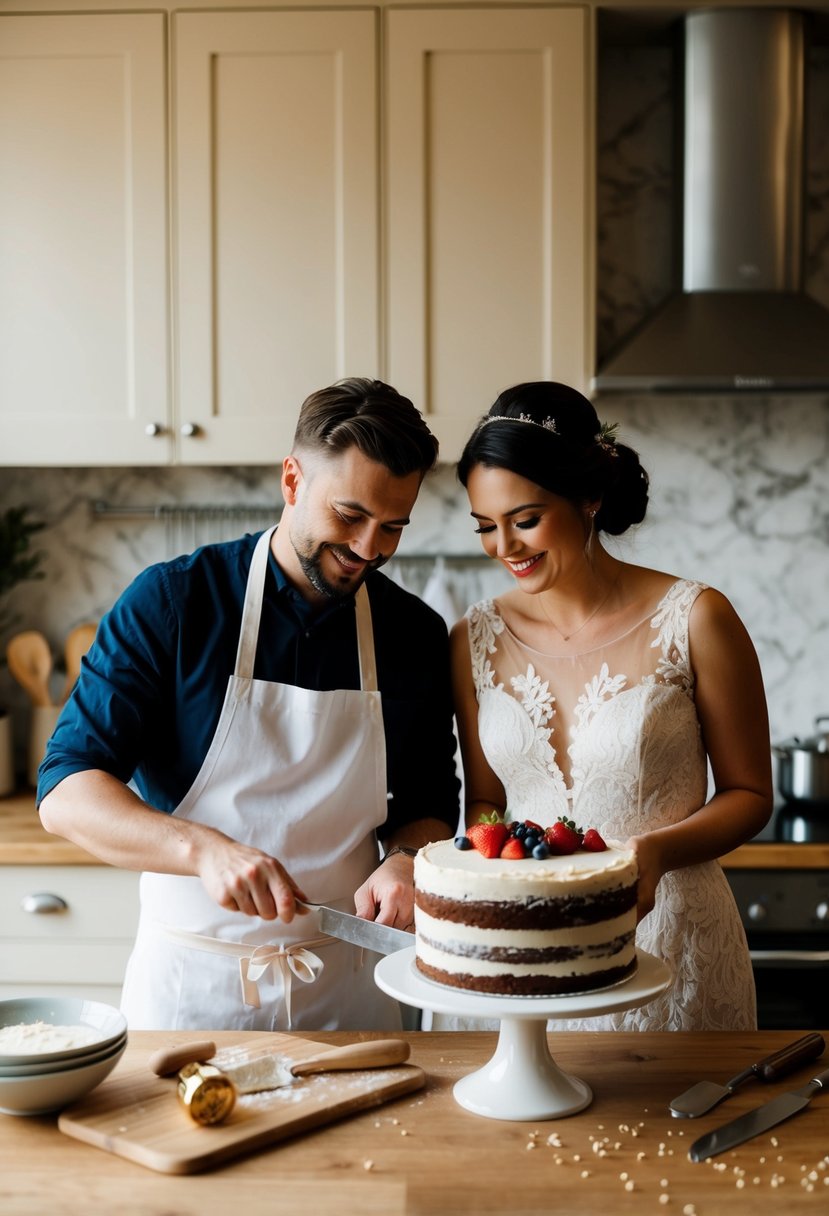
x,y
790,958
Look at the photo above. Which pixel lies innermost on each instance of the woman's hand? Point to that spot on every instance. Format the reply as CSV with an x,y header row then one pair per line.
x,y
651,870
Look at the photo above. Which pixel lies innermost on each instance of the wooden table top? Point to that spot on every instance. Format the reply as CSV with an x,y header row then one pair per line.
x,y
425,1154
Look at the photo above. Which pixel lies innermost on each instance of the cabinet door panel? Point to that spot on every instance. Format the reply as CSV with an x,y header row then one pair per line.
x,y
277,220
83,274
486,190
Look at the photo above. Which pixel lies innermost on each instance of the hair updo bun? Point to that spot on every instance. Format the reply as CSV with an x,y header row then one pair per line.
x,y
575,457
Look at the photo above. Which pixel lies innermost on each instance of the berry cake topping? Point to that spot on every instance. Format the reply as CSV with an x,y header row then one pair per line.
x,y
519,838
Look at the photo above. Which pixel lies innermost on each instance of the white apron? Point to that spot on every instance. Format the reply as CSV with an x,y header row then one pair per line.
x,y
300,775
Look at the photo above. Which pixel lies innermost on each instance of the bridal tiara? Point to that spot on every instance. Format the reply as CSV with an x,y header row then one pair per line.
x,y
548,424
606,438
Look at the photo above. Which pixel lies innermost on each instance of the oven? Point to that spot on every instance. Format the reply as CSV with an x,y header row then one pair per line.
x,y
785,913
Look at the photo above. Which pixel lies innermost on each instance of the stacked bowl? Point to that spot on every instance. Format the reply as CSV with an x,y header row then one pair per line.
x,y
54,1050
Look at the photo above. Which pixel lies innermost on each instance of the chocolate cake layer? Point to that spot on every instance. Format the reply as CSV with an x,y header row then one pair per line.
x,y
561,913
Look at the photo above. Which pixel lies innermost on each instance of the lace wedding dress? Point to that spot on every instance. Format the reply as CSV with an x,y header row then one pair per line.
x,y
611,739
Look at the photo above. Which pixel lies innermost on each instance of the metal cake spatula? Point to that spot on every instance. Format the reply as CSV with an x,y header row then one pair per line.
x,y
705,1095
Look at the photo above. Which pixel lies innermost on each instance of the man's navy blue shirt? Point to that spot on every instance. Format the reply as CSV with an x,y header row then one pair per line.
x,y
154,681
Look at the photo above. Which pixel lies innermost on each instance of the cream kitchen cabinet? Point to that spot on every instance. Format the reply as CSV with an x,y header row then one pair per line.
x,y
277,229
488,208
84,367
66,930
274,248
379,191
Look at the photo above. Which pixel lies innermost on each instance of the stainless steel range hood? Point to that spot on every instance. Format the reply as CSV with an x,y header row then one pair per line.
x,y
742,321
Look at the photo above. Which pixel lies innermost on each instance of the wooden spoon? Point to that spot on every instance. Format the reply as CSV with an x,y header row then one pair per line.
x,y
77,643
30,662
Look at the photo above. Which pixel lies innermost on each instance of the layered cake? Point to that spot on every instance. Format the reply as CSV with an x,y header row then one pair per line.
x,y
525,927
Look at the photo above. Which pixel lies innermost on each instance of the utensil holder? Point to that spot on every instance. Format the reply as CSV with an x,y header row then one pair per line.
x,y
43,722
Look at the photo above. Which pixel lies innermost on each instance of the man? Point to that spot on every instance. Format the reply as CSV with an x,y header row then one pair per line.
x,y
280,707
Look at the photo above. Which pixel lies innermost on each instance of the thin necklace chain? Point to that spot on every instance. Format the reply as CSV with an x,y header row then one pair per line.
x,y
567,636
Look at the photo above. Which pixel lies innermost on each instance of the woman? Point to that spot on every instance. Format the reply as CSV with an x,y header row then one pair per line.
x,y
597,690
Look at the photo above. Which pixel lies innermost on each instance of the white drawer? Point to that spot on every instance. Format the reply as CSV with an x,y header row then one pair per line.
x,y
101,903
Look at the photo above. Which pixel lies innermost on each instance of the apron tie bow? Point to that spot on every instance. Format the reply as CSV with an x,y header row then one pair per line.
x,y
293,961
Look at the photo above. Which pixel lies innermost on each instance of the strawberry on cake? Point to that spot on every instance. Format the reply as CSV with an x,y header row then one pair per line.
x,y
514,909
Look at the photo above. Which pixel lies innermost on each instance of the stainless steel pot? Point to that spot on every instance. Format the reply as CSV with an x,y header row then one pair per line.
x,y
803,765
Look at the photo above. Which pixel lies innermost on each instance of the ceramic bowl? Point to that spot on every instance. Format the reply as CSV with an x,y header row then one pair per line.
x,y
33,1070
108,1024
46,1092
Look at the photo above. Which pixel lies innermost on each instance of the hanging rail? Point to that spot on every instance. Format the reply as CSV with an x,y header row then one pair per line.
x,y
165,511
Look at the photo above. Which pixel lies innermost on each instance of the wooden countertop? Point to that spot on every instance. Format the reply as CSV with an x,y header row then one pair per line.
x,y
425,1154
24,842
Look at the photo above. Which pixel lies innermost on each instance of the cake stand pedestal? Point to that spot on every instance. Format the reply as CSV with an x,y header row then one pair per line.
x,y
522,1080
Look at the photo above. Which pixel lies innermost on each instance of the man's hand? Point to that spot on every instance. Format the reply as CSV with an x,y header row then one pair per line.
x,y
243,879
387,895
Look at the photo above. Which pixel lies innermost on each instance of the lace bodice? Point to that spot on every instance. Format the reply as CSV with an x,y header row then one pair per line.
x,y
611,738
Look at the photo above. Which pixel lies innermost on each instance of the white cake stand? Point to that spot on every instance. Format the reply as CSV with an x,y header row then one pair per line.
x,y
522,1080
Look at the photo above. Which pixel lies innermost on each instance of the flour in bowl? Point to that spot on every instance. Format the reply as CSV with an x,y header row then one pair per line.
x,y
28,1038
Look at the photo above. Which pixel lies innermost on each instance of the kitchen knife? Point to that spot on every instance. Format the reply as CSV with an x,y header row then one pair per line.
x,y
746,1127
359,932
705,1095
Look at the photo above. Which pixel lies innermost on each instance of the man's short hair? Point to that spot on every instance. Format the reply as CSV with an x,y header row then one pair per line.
x,y
371,416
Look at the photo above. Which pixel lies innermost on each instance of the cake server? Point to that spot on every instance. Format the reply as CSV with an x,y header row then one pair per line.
x,y
382,939
746,1127
705,1095
272,1071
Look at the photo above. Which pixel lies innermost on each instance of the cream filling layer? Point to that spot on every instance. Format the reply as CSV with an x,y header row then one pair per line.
x,y
455,964
449,934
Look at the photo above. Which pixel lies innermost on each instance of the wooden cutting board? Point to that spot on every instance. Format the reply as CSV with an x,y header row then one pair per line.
x,y
137,1115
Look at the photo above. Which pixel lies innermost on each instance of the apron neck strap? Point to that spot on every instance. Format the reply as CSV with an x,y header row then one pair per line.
x,y
252,615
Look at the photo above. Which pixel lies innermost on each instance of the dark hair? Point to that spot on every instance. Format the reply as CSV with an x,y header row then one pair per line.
x,y
574,460
372,417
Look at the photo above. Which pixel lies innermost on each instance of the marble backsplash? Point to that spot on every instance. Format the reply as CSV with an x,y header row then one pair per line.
x,y
739,500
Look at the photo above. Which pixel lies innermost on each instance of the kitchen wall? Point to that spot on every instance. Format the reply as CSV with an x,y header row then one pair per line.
x,y
740,486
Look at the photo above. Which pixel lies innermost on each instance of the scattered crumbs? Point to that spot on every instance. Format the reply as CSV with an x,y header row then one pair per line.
x,y
585,1174
554,1140
640,1156
530,1144
395,1122
377,1123
403,1132
123,1128
663,1198
629,1185
740,1183
689,1210
663,1182
774,1141
623,1177
368,1165
576,1156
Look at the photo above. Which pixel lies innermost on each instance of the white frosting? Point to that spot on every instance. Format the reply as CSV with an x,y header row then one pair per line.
x,y
441,869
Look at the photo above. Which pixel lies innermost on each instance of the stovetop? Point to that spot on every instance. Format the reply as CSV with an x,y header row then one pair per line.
x,y
796,822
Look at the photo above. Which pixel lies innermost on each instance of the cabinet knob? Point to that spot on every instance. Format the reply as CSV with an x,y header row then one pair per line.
x,y
189,429
757,912
43,902
152,429
822,911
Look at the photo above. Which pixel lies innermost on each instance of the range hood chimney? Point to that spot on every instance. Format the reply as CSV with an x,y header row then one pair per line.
x,y
742,321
